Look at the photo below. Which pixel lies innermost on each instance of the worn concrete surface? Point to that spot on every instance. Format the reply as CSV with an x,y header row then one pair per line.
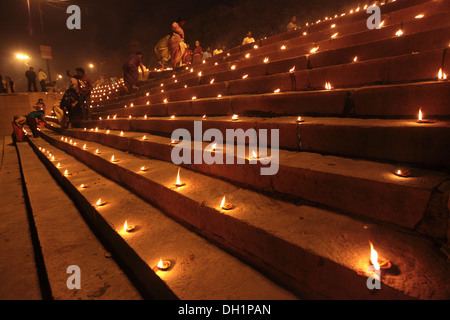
x,y
66,240
18,271
200,270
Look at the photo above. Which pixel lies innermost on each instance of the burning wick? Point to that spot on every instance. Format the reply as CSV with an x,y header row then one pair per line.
x,y
235,117
328,86
163,265
283,47
225,206
83,186
84,147
266,60
58,165
178,183
420,117
292,69
441,75
314,50
144,138
399,33
113,159
378,262
144,168
300,120
277,91
402,173
100,203
121,133
66,173
107,131
355,59
128,228
205,117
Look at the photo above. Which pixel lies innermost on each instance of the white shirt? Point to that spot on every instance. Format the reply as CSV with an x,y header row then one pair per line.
x,y
41,76
248,40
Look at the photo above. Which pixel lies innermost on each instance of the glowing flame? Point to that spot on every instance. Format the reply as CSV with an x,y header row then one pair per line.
x,y
178,183
235,117
419,16
107,131
96,129
255,46
283,47
125,226
58,165
399,172
255,156
266,60
233,67
144,137
115,116
334,35
245,76
160,264
399,33
276,91
212,81
222,204
165,100
328,86
194,98
420,115
100,202
314,50
145,117
382,24
247,55
292,69
83,186
355,59
66,173
172,117
374,257
200,74
121,132
112,159
333,26
219,96
442,75
299,119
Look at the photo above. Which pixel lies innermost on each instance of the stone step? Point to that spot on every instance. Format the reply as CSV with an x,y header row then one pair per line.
x,y
325,180
404,141
66,240
18,270
199,270
406,68
315,252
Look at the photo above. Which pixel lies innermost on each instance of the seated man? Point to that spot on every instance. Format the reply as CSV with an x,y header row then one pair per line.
x,y
248,39
292,25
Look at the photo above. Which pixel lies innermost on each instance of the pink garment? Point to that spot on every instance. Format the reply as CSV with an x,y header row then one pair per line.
x,y
174,44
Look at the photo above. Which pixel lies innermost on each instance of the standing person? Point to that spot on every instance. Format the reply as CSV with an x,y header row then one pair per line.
x,y
207,54
84,87
131,70
187,57
176,43
162,51
292,25
248,39
198,53
41,78
9,85
31,76
218,50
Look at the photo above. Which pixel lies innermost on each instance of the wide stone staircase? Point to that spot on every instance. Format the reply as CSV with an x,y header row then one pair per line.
x,y
360,167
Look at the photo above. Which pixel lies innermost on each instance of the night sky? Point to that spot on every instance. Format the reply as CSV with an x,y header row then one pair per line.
x,y
111,30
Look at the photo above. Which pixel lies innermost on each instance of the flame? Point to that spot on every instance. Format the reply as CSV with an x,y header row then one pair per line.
x,y
235,117
233,67
107,131
223,202
420,115
125,226
292,69
355,59
399,33
276,91
194,98
299,119
333,26
399,172
121,132
97,151
145,117
144,137
247,55
148,102
382,23
165,100
328,86
255,46
442,75
255,156
178,178
96,129
374,257
58,165
66,173
53,158
83,186
245,76
212,81
334,35
419,16
314,50
115,116
160,264
112,159
99,202
172,117
283,47
219,96
200,74
266,60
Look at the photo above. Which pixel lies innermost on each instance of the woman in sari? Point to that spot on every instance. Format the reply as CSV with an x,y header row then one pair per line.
x,y
176,43
162,51
131,70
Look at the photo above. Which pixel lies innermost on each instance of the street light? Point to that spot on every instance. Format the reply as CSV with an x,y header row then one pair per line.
x,y
91,66
25,58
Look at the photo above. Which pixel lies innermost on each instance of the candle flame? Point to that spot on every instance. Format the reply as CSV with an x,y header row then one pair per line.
x,y
283,47
328,86
334,35
212,81
374,257
99,202
194,98
276,91
223,202
245,76
112,159
399,33
233,67
107,131
125,226
442,75
160,264
58,165
144,137
255,156
178,178
292,69
266,60
235,117
419,16
66,173
355,59
420,114
314,50
247,55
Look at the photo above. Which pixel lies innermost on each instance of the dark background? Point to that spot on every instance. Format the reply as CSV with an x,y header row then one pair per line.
x,y
111,30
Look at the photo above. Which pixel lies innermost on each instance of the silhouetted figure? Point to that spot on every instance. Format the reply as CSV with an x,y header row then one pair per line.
x,y
83,88
131,70
41,78
31,76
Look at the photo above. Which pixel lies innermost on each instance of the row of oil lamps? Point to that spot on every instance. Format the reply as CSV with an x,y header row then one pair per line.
x,y
378,262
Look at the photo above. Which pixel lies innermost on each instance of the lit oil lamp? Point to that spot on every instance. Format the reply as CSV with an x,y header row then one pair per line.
x,y
266,60
53,158
205,117
144,168
399,33
163,265
219,96
144,138
107,131
233,67
66,173
402,172
334,35
172,117
200,74
62,138
178,183
420,117
277,90
212,81
292,69
419,16
224,205
127,227
333,26
174,142
58,165
100,203
441,75
355,59
114,159
121,132
247,55
148,102
245,76
314,50
96,129
378,262
235,117
255,46
165,100
97,151
194,98
283,47
129,117
328,86
300,120
83,186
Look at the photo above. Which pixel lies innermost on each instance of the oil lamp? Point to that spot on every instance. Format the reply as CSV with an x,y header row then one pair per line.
x,y
276,91
144,168
420,117
378,262
97,151
100,203
121,132
205,117
66,173
212,81
144,137
163,265
58,165
224,205
83,186
402,172
266,60
441,75
233,67
300,120
178,182
127,227
235,118
114,159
